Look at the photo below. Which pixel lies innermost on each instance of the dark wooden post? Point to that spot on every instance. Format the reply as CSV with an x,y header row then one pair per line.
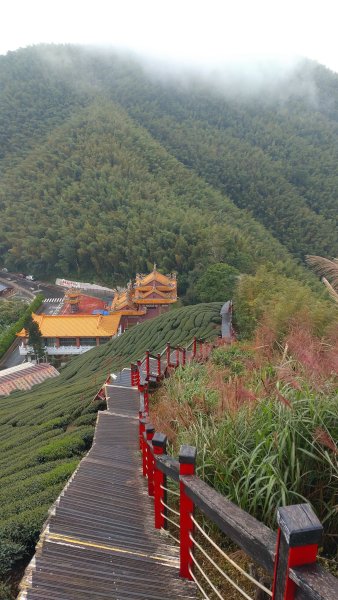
x,y
147,363
159,446
159,365
177,357
150,430
194,347
298,537
184,354
168,354
187,460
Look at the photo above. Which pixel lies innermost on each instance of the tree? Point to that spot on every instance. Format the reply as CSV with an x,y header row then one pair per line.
x,y
217,283
34,337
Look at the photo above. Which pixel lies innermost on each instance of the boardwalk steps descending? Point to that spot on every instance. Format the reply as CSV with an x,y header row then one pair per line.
x,y
99,540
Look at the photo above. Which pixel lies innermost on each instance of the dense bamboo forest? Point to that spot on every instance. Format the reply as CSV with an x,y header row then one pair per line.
x,y
106,166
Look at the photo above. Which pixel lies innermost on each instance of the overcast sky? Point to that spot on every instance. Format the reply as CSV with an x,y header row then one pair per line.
x,y
208,31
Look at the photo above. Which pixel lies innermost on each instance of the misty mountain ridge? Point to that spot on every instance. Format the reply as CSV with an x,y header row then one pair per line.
x,y
108,163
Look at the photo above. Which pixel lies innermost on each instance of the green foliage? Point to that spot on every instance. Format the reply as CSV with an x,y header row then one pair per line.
x,y
34,336
110,169
9,336
278,302
10,311
217,283
260,454
232,357
5,592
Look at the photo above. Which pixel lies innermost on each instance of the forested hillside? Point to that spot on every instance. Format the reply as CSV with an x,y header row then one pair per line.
x,y
106,166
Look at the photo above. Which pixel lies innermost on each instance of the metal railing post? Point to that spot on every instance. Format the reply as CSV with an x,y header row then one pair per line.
x,y
159,445
299,534
187,460
150,430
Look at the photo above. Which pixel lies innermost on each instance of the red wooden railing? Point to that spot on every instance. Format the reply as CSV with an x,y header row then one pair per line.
x,y
288,557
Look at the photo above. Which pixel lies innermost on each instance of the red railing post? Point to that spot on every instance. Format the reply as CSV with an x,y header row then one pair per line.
x,y
200,347
159,445
299,534
168,354
147,364
194,347
150,430
187,460
184,355
146,399
143,424
177,357
159,365
142,427
134,375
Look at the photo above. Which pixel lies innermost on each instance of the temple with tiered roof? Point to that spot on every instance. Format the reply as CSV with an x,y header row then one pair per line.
x,y
148,296
74,333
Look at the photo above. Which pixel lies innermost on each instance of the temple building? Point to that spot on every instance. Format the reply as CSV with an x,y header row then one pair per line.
x,y
76,332
71,334
149,296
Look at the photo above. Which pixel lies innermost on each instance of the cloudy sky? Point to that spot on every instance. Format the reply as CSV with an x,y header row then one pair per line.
x,y
187,31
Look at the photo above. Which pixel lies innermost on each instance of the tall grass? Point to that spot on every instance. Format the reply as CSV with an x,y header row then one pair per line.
x,y
262,441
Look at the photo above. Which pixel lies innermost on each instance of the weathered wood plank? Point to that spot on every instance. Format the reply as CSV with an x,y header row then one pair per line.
x,y
314,583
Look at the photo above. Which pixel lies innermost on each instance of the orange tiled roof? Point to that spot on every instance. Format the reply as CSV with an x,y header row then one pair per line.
x,y
76,325
156,301
142,280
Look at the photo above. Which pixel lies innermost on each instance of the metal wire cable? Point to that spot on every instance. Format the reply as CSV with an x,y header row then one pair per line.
x,y
232,562
170,535
207,578
235,585
198,584
170,520
169,508
168,490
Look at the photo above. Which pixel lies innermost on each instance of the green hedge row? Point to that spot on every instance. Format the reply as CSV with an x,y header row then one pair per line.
x,y
8,338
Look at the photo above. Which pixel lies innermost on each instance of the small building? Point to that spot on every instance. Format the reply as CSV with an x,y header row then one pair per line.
x,y
71,334
23,377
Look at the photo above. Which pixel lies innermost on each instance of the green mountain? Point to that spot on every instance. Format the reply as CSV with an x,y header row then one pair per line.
x,y
107,166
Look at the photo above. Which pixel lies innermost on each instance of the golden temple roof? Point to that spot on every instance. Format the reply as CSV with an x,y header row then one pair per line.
x,y
76,325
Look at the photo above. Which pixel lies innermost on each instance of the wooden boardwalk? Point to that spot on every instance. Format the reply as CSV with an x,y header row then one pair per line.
x,y
99,540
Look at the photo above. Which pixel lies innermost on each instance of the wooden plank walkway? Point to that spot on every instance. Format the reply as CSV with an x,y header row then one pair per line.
x,y
99,540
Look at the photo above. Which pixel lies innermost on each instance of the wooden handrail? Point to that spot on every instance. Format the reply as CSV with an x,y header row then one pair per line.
x,y
255,538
